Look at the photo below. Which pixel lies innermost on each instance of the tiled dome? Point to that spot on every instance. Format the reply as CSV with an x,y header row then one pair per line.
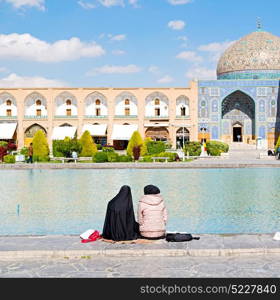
x,y
257,55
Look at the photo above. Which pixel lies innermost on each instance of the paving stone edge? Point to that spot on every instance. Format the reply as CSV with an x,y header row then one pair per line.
x,y
87,254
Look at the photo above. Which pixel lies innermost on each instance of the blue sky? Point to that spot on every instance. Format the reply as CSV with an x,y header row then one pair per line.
x,y
122,43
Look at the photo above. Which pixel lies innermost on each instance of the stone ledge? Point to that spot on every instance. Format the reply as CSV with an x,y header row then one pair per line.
x,y
75,254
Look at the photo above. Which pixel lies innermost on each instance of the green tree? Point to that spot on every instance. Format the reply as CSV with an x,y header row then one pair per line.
x,y
89,148
136,141
277,144
40,147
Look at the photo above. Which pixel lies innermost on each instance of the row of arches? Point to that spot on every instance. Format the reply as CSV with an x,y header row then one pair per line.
x,y
96,104
155,133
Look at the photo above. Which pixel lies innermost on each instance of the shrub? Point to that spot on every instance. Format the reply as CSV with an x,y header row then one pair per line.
x,y
100,157
64,148
136,152
171,156
108,149
147,158
9,159
24,151
40,147
3,143
277,144
154,147
193,148
215,148
99,146
112,156
125,158
88,146
135,142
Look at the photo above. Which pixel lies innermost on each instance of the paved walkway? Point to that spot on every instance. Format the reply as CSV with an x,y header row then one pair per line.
x,y
212,256
145,267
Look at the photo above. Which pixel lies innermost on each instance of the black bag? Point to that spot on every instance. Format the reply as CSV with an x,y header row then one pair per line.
x,y
180,237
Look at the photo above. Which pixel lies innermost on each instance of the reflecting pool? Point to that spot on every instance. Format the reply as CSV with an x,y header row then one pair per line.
x,y
39,202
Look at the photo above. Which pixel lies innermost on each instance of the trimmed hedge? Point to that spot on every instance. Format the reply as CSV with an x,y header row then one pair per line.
x,y
108,149
125,158
194,148
215,148
9,159
155,147
171,157
100,157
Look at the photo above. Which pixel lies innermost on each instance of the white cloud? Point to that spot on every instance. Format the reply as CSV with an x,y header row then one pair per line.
x,y
86,5
179,2
201,73
3,70
109,3
189,56
14,80
176,24
40,4
154,69
118,37
110,69
165,79
134,3
27,47
215,49
118,52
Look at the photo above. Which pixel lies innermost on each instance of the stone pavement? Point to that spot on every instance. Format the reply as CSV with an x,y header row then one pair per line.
x,y
259,266
246,255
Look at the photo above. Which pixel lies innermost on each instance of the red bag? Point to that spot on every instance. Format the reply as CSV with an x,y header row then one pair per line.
x,y
93,237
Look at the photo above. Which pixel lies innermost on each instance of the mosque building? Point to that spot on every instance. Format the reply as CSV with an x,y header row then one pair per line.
x,y
239,106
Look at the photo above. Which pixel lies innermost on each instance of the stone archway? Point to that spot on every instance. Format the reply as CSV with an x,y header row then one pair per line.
x,y
30,132
182,136
238,118
157,133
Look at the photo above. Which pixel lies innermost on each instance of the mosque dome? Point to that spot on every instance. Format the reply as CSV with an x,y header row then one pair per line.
x,y
255,56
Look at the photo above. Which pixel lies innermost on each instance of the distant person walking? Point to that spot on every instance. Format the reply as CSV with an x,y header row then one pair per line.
x,y
152,214
30,154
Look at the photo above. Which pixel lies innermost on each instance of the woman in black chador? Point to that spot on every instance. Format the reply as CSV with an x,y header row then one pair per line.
x,y
120,224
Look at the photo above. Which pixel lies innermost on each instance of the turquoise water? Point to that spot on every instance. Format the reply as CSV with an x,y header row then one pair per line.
x,y
39,202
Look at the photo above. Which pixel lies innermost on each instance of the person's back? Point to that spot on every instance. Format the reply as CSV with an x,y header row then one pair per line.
x,y
152,214
120,224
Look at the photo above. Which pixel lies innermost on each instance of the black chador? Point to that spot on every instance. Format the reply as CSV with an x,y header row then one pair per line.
x,y
120,224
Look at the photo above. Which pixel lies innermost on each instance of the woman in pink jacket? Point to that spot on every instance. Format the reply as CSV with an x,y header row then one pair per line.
x,y
152,214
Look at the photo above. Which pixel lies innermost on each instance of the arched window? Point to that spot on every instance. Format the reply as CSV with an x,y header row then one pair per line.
x,y
8,102
157,101
38,102
97,102
68,102
9,113
126,102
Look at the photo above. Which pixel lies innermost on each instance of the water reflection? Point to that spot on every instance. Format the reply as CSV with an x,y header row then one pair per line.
x,y
198,201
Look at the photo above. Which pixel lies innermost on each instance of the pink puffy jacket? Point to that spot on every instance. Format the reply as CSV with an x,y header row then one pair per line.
x,y
152,216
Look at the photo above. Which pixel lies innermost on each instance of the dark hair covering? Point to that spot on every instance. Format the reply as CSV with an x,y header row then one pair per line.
x,y
120,224
151,190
